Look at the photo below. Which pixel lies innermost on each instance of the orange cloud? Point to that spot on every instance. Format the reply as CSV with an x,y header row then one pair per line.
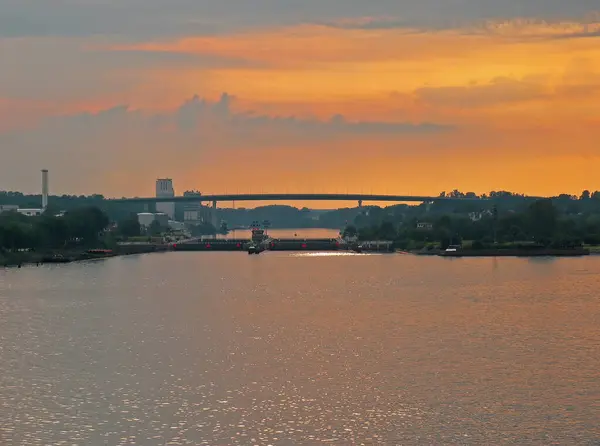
x,y
522,99
495,66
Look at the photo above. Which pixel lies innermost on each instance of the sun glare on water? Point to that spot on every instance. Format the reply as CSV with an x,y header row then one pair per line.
x,y
329,254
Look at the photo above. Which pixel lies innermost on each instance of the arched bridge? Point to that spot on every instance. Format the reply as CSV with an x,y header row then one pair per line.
x,y
291,197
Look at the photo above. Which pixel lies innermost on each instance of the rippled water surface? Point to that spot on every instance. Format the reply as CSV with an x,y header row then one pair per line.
x,y
299,233
284,349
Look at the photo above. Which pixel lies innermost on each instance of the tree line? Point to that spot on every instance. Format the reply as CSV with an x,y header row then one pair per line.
x,y
541,223
565,219
59,203
78,227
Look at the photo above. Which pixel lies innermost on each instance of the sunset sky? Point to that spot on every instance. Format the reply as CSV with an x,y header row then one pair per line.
x,y
381,96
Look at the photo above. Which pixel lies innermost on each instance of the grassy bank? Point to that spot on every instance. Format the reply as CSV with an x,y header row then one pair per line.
x,y
19,258
33,257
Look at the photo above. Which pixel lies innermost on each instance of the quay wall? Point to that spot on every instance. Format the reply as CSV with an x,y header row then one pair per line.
x,y
213,245
140,248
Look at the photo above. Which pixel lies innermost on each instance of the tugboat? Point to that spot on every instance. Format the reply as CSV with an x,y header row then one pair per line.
x,y
258,239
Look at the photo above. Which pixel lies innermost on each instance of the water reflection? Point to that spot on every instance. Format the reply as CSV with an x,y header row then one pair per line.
x,y
300,233
543,260
332,254
225,348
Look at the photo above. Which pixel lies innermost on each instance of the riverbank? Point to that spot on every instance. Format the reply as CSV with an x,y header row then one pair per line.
x,y
508,251
568,252
8,259
19,258
22,258
35,258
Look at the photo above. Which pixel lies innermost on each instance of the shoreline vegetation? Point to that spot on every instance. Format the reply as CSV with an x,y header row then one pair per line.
x,y
505,224
34,258
19,259
80,234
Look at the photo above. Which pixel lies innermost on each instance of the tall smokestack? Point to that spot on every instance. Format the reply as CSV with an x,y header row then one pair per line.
x,y
44,189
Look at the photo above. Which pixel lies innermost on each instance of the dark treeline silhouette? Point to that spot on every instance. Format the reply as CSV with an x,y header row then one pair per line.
x,y
78,227
203,228
59,203
545,223
504,217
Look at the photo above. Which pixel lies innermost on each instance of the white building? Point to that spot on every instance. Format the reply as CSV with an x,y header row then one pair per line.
x,y
27,212
164,188
476,216
145,219
31,212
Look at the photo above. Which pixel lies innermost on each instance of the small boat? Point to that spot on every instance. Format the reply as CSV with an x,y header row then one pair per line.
x,y
254,249
453,248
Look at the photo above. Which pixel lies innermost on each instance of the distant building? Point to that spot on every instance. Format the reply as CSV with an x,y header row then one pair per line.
x,y
163,219
145,219
8,208
31,212
193,213
476,216
424,226
27,212
164,189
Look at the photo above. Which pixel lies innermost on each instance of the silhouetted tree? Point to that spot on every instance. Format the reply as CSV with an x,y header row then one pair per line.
x,y
204,228
81,226
130,227
542,218
387,231
350,231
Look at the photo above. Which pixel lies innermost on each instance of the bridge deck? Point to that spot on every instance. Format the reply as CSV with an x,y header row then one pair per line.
x,y
291,197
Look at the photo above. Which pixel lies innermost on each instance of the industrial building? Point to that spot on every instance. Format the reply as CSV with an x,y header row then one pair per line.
x,y
14,208
44,189
194,213
164,189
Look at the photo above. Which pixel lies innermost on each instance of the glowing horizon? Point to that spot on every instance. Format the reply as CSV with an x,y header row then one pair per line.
x,y
348,103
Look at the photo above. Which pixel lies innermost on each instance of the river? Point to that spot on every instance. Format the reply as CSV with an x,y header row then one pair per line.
x,y
301,348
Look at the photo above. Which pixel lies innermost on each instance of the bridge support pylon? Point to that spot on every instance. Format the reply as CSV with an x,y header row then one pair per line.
x,y
359,204
213,215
